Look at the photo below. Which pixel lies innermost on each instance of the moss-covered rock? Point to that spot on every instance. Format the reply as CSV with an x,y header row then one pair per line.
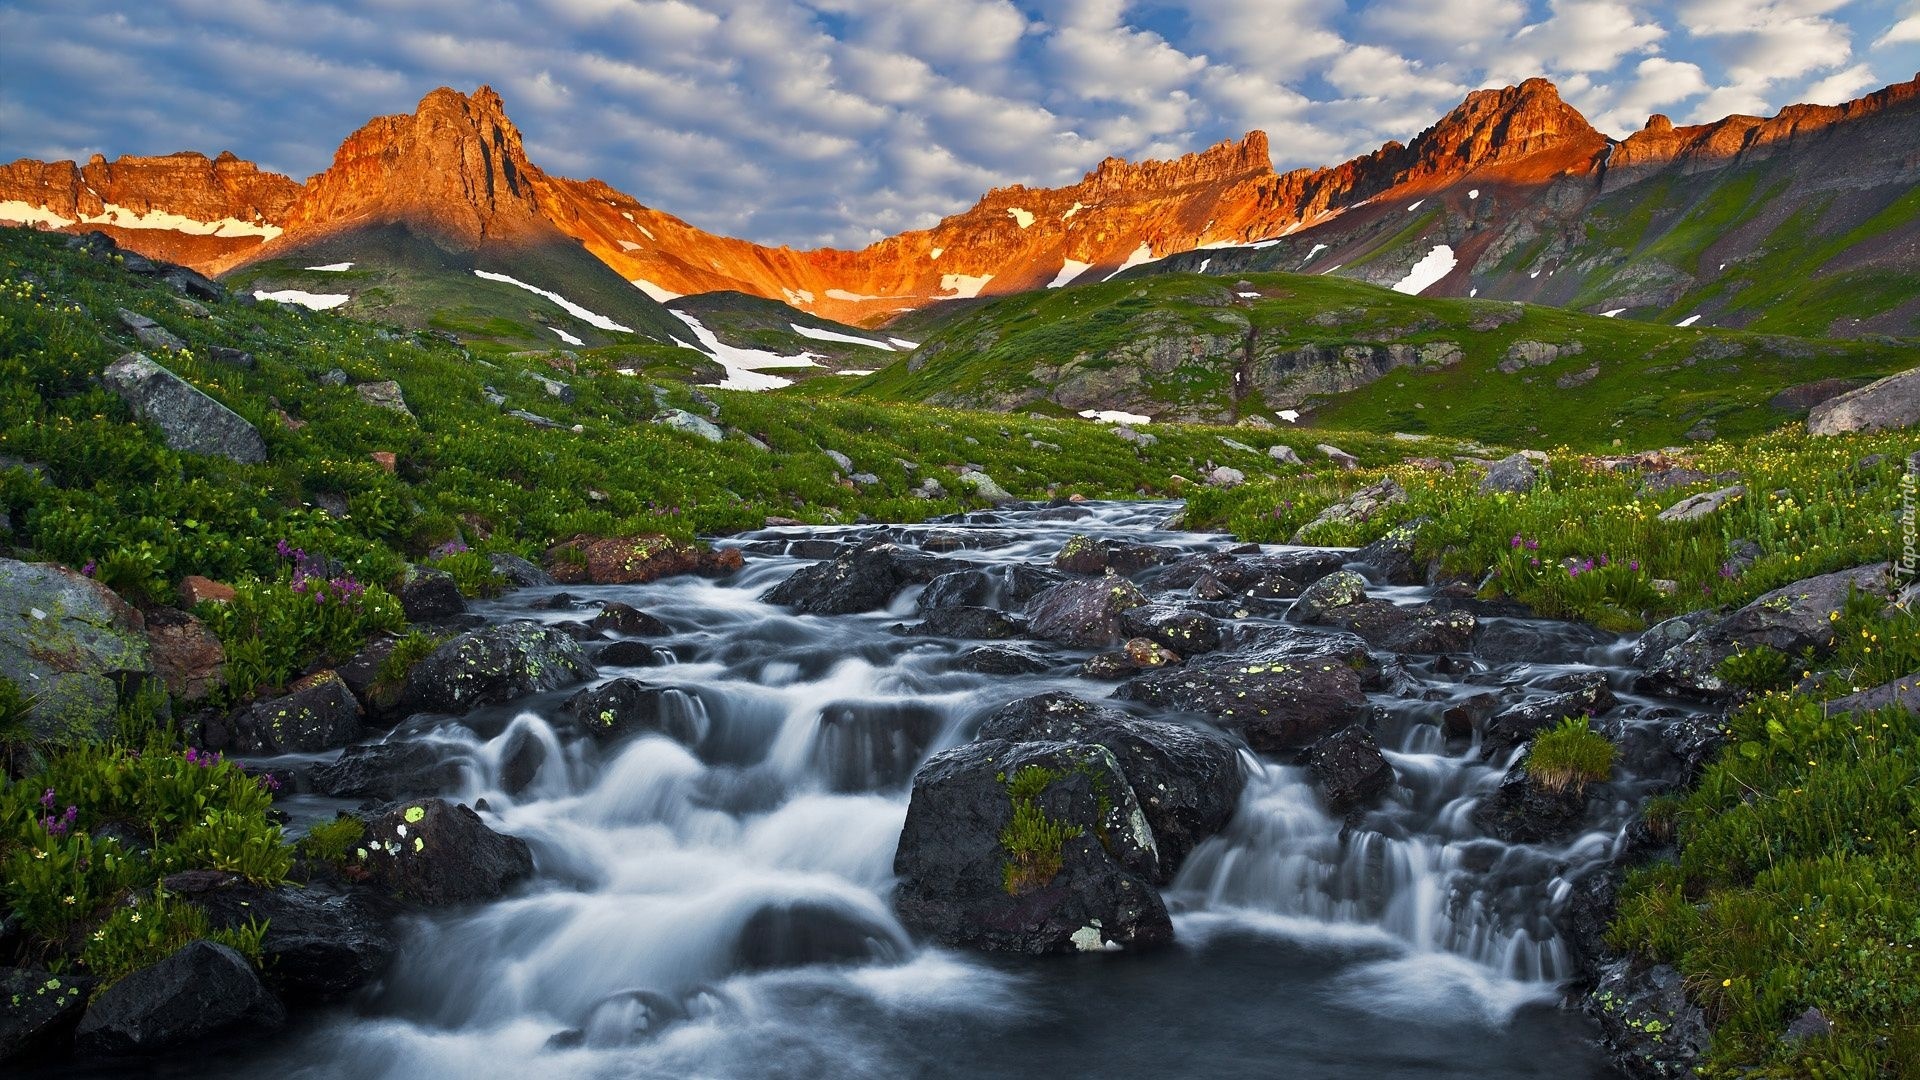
x,y
71,645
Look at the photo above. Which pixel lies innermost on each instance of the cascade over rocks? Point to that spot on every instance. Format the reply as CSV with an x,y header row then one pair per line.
x,y
1341,600
1350,770
1278,576
615,711
1085,883
1524,811
1511,728
864,579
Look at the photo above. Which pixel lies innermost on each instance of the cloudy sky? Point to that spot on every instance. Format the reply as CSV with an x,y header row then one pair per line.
x,y
838,121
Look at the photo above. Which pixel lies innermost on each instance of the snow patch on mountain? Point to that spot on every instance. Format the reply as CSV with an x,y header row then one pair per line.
x,y
1069,270
333,268
1141,256
316,301
1438,264
903,343
1023,218
842,294
566,337
569,306
829,335
655,291
1076,208
963,286
1115,416
745,367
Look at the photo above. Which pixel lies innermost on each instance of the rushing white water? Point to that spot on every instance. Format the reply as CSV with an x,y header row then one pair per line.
x,y
721,909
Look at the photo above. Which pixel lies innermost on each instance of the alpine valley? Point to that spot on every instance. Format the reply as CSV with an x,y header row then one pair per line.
x,y
1448,614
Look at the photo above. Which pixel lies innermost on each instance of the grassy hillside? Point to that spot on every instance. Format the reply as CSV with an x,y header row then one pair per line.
x,y
397,277
467,468
1196,347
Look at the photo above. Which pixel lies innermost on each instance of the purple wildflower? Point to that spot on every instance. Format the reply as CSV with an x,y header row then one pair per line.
x,y
46,800
89,569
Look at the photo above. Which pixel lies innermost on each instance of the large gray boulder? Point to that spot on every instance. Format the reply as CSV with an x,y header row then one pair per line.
x,y
1788,619
71,645
1888,405
189,421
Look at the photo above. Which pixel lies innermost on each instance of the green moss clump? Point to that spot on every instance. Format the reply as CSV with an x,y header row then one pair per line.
x,y
1035,843
1570,756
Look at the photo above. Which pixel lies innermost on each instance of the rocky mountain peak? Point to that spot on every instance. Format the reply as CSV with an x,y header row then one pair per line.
x,y
1495,126
455,169
1229,159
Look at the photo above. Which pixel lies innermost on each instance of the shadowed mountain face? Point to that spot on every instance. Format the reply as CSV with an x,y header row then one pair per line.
x,y
1805,222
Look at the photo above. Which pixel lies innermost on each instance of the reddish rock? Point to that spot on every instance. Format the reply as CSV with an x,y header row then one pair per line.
x,y
386,459
186,655
634,560
195,589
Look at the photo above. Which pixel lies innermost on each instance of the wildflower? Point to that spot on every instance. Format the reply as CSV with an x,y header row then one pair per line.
x,y
46,799
89,568
136,916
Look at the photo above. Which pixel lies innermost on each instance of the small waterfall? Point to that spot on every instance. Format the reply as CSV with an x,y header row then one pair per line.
x,y
712,899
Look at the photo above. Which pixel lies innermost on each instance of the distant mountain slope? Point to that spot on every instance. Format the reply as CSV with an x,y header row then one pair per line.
x,y
1266,348
1511,195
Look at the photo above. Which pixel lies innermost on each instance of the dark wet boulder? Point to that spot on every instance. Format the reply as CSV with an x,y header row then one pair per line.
x,y
1087,555
203,989
1337,591
1028,848
1647,1024
629,654
429,595
618,618
318,713
618,710
520,759
435,852
1084,614
1278,706
1137,654
38,1012
1505,731
1186,780
1588,912
1178,627
517,572
796,933
1523,810
968,622
387,771
322,941
495,665
1004,660
188,420
864,579
1391,559
987,586
1281,575
1470,714
366,674
945,540
1350,770
873,745
74,645
1340,599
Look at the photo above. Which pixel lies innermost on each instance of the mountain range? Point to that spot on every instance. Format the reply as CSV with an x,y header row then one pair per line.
x,y
1805,223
